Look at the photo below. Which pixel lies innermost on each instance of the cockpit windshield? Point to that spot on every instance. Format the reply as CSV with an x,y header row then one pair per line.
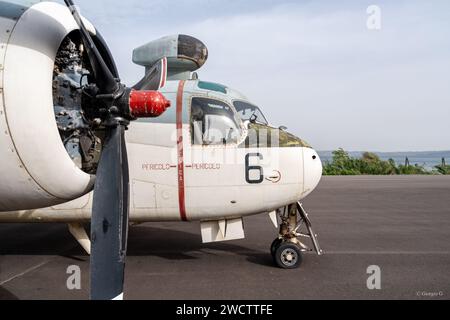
x,y
213,122
249,112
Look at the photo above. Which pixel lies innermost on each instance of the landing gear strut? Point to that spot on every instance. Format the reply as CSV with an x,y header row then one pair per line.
x,y
287,249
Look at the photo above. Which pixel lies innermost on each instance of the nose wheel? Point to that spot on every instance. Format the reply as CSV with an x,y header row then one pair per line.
x,y
275,244
288,256
287,250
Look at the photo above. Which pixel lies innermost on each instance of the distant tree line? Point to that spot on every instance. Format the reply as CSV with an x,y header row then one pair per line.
x,y
371,164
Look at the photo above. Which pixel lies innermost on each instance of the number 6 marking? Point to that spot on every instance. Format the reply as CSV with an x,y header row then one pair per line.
x,y
249,168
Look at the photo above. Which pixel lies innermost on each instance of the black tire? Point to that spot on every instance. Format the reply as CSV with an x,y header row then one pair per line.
x,y
275,244
288,256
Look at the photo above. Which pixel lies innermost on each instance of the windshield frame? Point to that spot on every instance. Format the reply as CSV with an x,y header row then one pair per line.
x,y
265,122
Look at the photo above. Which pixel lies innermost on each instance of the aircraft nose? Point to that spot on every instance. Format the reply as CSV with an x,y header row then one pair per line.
x,y
312,170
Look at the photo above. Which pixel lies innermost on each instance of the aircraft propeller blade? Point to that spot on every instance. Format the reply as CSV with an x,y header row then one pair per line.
x,y
103,75
109,223
115,105
110,212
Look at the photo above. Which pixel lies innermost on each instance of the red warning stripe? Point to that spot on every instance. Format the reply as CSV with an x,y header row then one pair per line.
x,y
164,73
181,185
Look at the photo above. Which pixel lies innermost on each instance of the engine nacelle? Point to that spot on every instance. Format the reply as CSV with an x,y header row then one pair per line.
x,y
35,168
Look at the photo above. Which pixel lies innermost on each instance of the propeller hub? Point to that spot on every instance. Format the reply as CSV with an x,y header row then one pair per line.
x,y
147,104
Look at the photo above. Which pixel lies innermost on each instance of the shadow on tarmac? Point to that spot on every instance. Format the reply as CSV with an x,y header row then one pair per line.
x,y
144,240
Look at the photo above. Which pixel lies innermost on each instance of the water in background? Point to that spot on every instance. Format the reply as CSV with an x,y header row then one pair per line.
x,y
427,159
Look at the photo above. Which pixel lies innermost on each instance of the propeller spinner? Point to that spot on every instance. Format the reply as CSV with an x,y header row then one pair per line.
x,y
114,105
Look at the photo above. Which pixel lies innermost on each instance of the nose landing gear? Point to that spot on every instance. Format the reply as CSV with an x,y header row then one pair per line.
x,y
287,250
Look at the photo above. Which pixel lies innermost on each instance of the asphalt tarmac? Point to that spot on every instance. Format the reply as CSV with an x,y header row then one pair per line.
x,y
400,224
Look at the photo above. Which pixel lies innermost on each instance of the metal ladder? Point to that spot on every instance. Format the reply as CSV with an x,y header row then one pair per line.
x,y
313,236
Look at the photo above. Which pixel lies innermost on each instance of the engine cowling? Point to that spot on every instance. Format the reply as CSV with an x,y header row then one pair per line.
x,y
35,168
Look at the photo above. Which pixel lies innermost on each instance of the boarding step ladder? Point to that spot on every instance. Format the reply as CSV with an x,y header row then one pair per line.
x,y
311,234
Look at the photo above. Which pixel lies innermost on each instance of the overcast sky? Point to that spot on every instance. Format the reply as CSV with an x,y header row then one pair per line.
x,y
312,66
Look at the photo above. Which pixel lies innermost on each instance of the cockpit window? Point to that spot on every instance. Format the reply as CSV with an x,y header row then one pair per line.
x,y
249,112
213,122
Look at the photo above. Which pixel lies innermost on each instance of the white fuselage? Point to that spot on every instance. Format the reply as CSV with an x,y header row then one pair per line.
x,y
173,179
173,176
